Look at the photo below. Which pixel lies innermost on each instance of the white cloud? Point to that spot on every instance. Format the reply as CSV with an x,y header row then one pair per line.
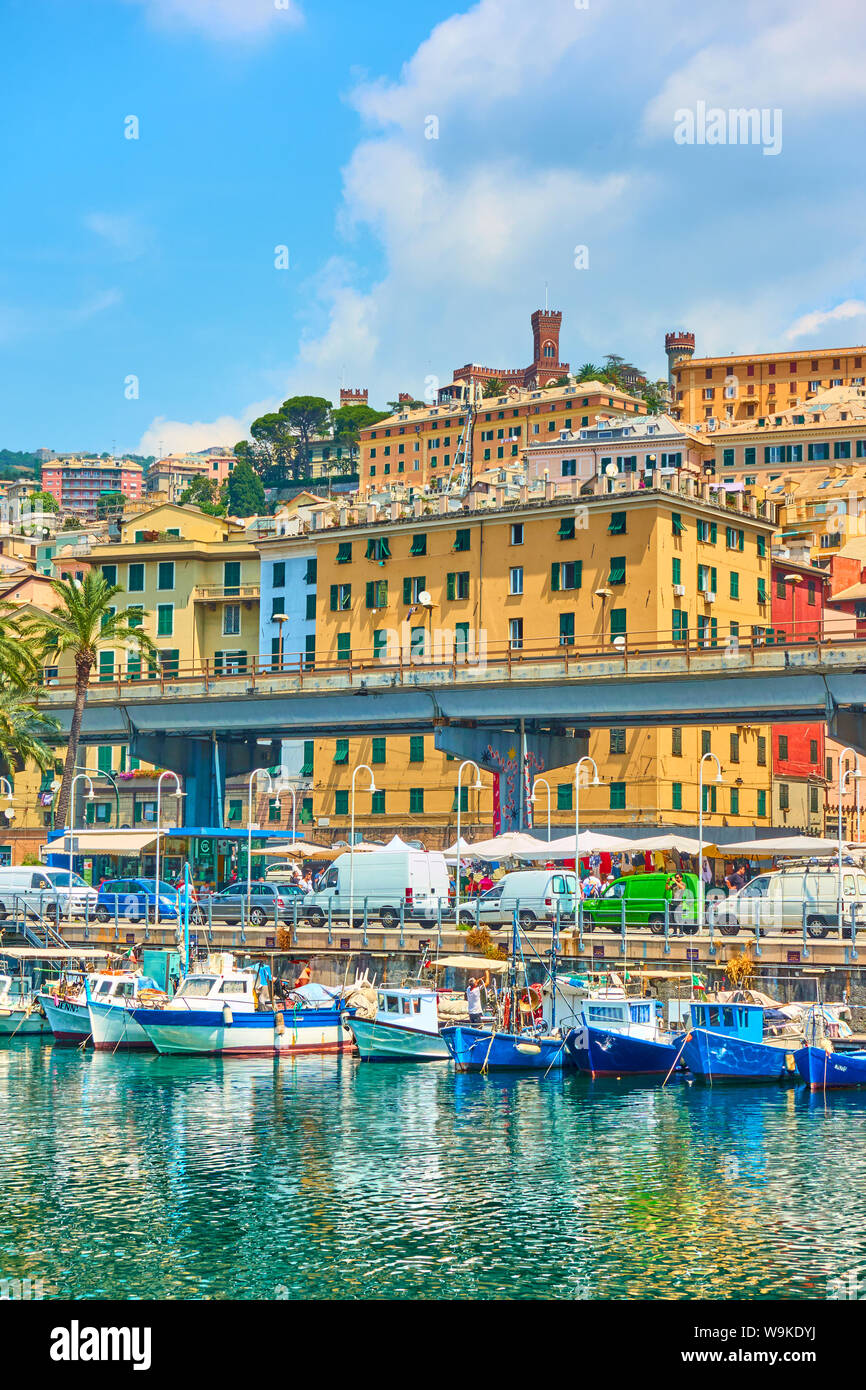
x,y
819,318
223,19
121,232
164,436
797,64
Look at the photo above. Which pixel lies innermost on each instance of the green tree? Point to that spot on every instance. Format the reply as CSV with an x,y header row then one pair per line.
x,y
245,492
279,445
44,501
83,624
494,387
23,730
348,422
655,393
590,372
203,493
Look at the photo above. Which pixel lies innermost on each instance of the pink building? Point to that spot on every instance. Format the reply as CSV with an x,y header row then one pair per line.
x,y
78,483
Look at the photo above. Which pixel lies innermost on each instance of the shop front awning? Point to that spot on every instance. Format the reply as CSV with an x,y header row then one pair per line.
x,y
104,841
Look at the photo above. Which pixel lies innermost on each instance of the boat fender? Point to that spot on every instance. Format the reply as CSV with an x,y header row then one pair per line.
x,y
280,1023
789,1061
228,1016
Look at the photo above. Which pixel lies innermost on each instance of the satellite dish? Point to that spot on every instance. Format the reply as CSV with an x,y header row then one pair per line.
x,y
425,599
611,470
619,643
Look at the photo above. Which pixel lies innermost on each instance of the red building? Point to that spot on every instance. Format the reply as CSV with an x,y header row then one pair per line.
x,y
544,367
78,483
797,604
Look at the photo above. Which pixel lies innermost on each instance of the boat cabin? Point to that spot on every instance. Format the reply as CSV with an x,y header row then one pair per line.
x,y
737,1020
117,987
411,1008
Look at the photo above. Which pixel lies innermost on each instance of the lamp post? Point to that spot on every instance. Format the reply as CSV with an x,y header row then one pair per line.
x,y
6,789
704,757
533,798
280,618
854,773
79,777
178,794
596,782
477,786
285,787
256,772
362,767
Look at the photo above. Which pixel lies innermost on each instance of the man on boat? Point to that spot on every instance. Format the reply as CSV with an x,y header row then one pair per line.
x,y
473,999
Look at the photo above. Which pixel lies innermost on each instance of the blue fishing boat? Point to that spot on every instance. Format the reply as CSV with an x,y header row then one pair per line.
x,y
824,1070
623,1037
727,1042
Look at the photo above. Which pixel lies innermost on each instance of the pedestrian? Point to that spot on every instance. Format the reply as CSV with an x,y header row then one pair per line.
x,y
473,999
594,862
307,882
486,882
707,873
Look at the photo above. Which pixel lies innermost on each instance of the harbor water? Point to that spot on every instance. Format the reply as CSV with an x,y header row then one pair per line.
x,y
140,1176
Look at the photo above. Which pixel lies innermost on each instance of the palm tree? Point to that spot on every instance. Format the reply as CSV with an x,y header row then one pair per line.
x,y
23,728
18,665
83,624
589,372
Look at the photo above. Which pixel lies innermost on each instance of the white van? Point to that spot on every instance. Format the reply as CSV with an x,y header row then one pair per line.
x,y
391,880
534,892
775,901
44,892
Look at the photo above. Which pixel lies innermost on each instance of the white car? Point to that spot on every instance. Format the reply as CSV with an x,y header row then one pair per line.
x,y
783,900
45,892
535,893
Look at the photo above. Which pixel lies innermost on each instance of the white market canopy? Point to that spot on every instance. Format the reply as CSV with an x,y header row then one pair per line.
x,y
588,841
104,841
300,849
667,840
784,844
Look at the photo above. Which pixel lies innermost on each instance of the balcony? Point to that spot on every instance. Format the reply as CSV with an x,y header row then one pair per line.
x,y
220,593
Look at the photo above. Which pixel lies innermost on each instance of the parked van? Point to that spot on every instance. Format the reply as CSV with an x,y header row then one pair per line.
x,y
44,892
648,899
776,901
393,882
535,893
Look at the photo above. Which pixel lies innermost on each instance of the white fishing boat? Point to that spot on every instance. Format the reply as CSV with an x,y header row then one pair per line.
x,y
20,1012
404,1027
112,999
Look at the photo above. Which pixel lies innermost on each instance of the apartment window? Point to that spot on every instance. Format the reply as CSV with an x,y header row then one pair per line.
x,y
617,524
311,571
762,546
419,544
734,538
617,741
617,796
677,526
564,796
341,802
761,751
379,549
813,751
231,620
165,620
706,741
135,579
464,800
676,796
378,753
462,539
517,533
783,748
279,576
709,798
416,801
617,623
515,634
310,608
169,661
762,591
309,651
707,532
676,570
567,575
813,800
515,580
413,585
309,753
416,748
377,593
810,593
569,468
762,803
617,570
566,629
457,585
165,574
341,751
566,529
344,553
735,584
680,628
735,801
341,598
735,748
109,574
676,742
784,796
380,644
232,577
344,646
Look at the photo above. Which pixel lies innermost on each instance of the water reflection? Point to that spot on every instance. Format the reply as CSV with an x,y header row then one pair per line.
x,y
174,1177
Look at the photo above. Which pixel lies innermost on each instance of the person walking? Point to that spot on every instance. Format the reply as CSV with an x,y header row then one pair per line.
x,y
473,999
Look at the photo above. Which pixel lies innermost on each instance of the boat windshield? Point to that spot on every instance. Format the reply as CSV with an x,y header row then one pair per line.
x,y
196,986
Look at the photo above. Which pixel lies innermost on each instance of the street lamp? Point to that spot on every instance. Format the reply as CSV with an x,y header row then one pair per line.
x,y
533,798
700,894
596,782
79,777
362,767
178,794
256,772
477,786
9,813
280,618
854,773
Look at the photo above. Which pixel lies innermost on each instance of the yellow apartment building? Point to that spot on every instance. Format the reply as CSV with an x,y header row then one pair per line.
x,y
419,448
629,565
747,386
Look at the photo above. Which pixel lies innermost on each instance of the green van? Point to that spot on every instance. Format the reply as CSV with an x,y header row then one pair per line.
x,y
645,895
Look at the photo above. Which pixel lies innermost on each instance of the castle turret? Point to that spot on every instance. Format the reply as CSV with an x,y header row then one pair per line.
x,y
678,346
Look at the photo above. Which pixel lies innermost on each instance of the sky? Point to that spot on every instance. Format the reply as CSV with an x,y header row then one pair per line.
x,y
210,205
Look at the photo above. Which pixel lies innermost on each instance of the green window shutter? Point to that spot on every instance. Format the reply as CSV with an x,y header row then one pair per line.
x,y
464,800
341,803
136,813
463,539
617,570
407,591
310,608
617,796
554,577
106,666
564,796
416,801
335,598
714,532
109,574
762,591
617,524
305,815
274,811
235,811
164,620
89,812
617,622
735,584
762,545
566,629
135,575
344,646
310,572
677,570
762,803
676,796
566,529
165,574
416,748
310,650
377,804
378,754
677,524
307,765
371,594
341,750
103,759
450,585
419,545
344,553
380,644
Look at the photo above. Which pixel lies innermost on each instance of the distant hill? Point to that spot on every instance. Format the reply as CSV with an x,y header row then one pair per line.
x,y
18,465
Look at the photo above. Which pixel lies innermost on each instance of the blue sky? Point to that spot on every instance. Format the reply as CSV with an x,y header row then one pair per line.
x,y
304,123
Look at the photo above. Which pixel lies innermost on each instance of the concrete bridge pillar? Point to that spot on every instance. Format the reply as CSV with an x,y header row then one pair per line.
x,y
203,765
499,751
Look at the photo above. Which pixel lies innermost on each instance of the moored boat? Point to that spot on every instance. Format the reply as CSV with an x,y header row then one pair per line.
x,y
404,1027
726,1042
619,1037
112,1001
824,1069
486,1049
21,1014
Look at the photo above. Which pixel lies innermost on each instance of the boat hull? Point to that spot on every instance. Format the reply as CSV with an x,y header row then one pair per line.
x,y
115,1029
715,1057
599,1052
480,1049
14,1024
390,1042
68,1020
206,1032
830,1070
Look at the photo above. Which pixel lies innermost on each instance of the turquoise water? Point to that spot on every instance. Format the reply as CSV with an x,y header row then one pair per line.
x,y
146,1176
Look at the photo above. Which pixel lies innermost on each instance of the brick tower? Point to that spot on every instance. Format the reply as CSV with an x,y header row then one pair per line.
x,y
546,324
349,396
678,345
